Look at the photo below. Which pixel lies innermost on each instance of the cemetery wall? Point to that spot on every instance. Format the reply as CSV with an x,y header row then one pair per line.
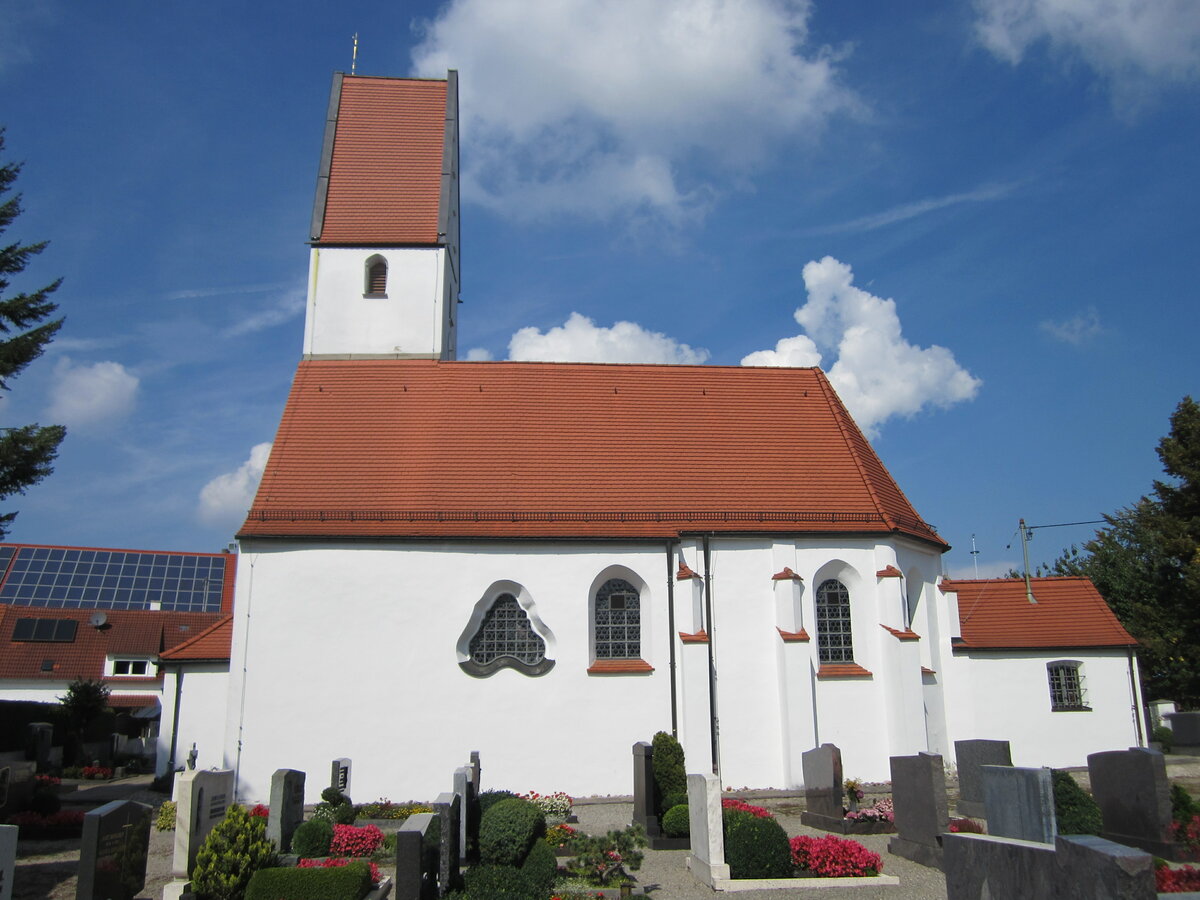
x,y
203,697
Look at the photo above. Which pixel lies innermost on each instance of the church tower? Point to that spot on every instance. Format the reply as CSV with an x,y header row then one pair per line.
x,y
384,271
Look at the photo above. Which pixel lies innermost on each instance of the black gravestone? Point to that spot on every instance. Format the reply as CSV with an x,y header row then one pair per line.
x,y
112,854
971,756
919,798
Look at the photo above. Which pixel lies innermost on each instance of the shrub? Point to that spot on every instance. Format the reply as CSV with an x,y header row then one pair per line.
x,y
233,851
490,882
1183,807
741,805
758,848
834,857
351,841
45,801
337,883
670,774
386,809
597,859
507,831
312,838
670,801
676,822
881,811
96,773
38,827
1163,736
966,826
553,806
1076,811
559,835
165,821
1176,881
261,811
333,796
335,813
540,867
488,799
1187,832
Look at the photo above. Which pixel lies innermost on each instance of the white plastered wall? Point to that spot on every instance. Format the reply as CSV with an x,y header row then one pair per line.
x,y
202,694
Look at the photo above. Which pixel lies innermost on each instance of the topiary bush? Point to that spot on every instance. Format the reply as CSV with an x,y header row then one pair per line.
x,y
758,848
676,822
507,830
165,820
670,773
670,801
350,882
233,851
540,868
488,799
1076,811
312,838
488,882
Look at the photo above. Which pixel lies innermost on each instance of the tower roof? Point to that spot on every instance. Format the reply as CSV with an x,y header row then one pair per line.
x,y
421,448
390,150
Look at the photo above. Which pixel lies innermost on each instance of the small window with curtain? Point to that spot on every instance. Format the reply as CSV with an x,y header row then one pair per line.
x,y
376,277
1067,692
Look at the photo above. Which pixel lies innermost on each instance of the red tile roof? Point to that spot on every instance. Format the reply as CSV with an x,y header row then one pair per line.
x,y
211,644
422,448
995,614
385,170
137,633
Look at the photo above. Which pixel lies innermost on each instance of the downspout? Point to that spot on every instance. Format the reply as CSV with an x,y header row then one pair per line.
x,y
671,633
1137,705
170,773
237,766
714,725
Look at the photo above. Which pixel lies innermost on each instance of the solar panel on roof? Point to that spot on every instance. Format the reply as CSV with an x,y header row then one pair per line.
x,y
59,631
108,579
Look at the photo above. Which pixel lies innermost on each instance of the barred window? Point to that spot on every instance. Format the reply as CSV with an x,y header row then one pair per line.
x,y
618,621
1066,686
835,643
506,638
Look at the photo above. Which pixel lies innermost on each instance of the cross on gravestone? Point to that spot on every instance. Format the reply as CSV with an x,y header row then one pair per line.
x,y
448,807
1019,803
202,797
644,813
113,851
1134,796
339,775
823,788
971,756
287,807
921,810
8,859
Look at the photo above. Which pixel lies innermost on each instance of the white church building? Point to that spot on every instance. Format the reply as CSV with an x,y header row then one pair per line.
x,y
547,562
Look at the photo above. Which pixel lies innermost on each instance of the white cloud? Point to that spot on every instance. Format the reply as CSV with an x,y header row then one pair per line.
x,y
916,208
225,499
282,309
1133,43
91,396
994,569
579,339
479,354
877,373
1077,330
594,107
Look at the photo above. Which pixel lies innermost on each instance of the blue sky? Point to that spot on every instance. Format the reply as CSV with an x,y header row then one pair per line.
x,y
977,216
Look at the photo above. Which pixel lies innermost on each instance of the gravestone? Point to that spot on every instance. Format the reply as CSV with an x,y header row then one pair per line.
x,y
921,810
464,789
287,807
8,860
1019,803
202,796
39,738
1186,727
476,771
448,807
339,775
113,851
970,757
705,819
823,788
644,813
1134,796
416,859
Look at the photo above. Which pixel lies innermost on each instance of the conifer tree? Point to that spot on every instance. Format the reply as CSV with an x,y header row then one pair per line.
x,y
28,451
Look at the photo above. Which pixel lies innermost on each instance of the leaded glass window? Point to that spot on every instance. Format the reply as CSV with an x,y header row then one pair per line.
x,y
618,621
506,632
1066,686
835,644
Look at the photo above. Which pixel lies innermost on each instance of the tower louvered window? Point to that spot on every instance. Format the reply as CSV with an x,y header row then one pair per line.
x,y
835,643
377,272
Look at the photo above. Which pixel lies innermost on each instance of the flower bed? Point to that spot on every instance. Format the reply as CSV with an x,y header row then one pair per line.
x,y
555,806
56,826
349,840
833,857
336,862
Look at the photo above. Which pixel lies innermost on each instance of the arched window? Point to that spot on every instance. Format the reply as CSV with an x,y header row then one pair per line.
x,y
835,643
376,277
1066,685
618,622
506,638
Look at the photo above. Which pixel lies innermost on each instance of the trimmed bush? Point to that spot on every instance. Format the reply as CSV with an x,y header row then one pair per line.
x,y
488,882
1076,811
676,822
507,831
165,821
350,882
670,773
45,801
488,799
758,848
540,867
233,851
1183,807
1163,736
333,796
312,838
670,801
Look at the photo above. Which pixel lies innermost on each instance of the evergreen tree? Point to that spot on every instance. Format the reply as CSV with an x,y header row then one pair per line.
x,y
26,452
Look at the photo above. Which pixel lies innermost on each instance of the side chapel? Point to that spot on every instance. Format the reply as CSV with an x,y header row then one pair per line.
x,y
547,562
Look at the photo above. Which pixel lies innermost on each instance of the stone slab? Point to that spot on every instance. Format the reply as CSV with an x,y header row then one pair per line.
x,y
113,851
1019,803
1186,726
339,775
919,798
823,781
706,822
1134,795
448,807
644,813
287,807
201,798
8,860
969,757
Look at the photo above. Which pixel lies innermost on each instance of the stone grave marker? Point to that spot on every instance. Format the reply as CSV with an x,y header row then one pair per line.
x,y
287,807
39,738
1134,796
8,859
971,756
464,789
476,771
339,775
416,859
707,859
202,796
1186,726
823,788
644,813
921,809
112,853
1019,803
448,807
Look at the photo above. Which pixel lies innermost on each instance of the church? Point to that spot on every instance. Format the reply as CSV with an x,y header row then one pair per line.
x,y
547,562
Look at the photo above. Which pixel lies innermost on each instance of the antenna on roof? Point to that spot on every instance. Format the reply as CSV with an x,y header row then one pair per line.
x,y
975,556
1026,534
354,54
